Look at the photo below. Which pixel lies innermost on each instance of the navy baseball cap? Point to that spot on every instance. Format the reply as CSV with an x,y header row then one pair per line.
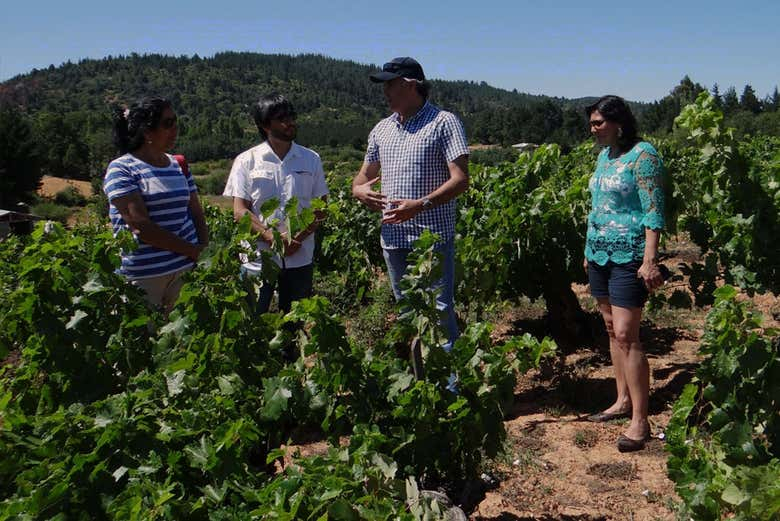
x,y
404,67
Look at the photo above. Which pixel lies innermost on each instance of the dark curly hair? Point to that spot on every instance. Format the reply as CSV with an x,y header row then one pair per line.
x,y
130,124
615,109
268,107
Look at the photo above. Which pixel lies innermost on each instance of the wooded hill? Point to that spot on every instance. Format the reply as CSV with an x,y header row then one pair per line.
x,y
67,107
336,102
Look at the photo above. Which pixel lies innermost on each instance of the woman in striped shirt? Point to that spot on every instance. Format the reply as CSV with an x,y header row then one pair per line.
x,y
152,197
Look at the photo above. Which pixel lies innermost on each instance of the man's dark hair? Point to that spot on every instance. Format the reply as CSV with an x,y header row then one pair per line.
x,y
130,124
268,107
615,109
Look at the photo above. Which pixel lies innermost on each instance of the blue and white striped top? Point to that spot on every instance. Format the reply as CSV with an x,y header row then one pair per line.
x,y
166,194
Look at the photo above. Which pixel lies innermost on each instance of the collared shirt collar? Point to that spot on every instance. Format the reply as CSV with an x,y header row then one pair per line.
x,y
425,107
268,154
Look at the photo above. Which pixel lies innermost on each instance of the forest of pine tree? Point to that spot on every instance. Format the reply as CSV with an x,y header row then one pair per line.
x,y
66,109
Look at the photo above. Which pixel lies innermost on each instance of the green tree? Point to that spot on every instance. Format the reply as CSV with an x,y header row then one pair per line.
x,y
20,171
212,97
63,150
716,98
660,115
730,101
687,90
748,101
772,102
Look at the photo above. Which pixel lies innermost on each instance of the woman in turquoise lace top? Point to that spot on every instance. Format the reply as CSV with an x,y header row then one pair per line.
x,y
624,227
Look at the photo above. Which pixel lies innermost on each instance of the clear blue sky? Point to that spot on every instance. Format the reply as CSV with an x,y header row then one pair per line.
x,y
567,48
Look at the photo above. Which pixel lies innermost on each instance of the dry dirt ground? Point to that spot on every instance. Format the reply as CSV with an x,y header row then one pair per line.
x,y
51,185
560,466
557,465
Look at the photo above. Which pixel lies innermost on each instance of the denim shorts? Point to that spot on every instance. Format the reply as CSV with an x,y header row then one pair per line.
x,y
619,283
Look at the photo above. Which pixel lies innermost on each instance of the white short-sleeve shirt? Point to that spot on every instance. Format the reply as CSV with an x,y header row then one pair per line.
x,y
259,175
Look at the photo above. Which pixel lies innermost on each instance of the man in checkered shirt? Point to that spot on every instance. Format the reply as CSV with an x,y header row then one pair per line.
x,y
423,156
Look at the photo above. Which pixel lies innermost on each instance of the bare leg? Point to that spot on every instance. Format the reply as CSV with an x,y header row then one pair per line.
x,y
635,367
623,401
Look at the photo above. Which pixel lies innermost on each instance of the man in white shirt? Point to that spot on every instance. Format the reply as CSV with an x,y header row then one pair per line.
x,y
278,168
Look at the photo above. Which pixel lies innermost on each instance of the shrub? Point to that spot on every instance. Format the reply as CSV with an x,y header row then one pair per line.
x,y
51,211
70,196
493,156
212,184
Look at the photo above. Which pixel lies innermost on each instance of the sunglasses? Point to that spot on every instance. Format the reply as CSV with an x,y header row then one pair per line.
x,y
168,123
284,116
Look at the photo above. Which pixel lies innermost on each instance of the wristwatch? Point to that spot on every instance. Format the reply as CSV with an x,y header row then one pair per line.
x,y
427,204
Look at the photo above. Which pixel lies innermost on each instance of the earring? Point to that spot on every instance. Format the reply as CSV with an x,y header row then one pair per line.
x,y
620,132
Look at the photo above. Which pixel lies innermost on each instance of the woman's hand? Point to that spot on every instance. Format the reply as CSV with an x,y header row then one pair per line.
x,y
195,251
650,274
649,271
585,265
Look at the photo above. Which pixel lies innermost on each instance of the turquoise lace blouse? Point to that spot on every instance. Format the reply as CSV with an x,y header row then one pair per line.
x,y
627,196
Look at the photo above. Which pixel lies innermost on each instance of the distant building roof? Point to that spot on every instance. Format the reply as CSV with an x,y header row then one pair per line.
x,y
12,217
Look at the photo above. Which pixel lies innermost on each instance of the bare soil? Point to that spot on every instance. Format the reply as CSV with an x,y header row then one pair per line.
x,y
559,466
51,185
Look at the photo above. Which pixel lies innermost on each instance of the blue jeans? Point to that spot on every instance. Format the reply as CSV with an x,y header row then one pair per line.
x,y
396,268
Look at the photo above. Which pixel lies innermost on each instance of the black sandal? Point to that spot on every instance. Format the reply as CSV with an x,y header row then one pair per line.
x,y
626,444
607,416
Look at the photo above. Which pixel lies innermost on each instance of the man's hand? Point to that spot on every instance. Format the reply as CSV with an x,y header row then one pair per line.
x,y
291,247
402,210
320,216
267,235
363,192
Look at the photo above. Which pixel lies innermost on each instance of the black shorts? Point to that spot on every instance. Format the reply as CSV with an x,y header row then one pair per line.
x,y
619,283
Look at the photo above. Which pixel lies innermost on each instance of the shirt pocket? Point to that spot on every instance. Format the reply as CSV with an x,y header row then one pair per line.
x,y
302,185
263,185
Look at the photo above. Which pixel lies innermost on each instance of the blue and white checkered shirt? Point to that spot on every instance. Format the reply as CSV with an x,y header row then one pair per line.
x,y
413,157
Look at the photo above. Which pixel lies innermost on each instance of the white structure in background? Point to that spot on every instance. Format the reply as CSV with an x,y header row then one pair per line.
x,y
16,221
525,147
